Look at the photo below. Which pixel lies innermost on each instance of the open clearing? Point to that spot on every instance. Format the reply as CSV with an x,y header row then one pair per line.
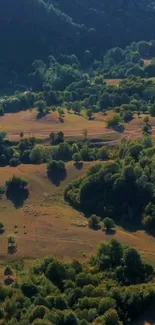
x,y
73,125
52,226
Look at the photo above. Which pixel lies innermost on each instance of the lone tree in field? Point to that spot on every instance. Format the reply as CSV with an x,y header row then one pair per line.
x,y
17,190
109,224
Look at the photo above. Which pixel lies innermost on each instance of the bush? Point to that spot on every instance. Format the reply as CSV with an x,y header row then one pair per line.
x,y
127,116
11,239
13,162
109,224
8,271
103,153
77,157
93,222
114,121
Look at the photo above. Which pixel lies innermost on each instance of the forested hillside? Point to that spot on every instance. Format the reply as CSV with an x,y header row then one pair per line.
x,y
35,29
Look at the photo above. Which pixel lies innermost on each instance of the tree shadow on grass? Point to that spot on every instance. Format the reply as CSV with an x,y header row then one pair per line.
x,y
57,178
119,128
78,165
110,232
17,197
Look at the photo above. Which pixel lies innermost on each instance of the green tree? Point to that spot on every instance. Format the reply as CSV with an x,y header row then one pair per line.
x,y
8,271
77,157
111,317
146,119
106,304
152,110
89,113
109,224
94,222
76,107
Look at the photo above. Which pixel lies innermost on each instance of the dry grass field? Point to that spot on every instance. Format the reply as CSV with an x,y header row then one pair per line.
x,y
51,225
113,81
73,126
147,62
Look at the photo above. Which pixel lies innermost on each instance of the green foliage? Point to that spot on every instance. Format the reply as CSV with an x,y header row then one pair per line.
x,y
55,167
109,224
152,110
106,304
111,317
77,157
38,312
16,184
100,286
114,121
93,222
8,271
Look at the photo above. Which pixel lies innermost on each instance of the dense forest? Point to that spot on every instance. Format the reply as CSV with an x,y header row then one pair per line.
x,y
55,27
112,288
122,189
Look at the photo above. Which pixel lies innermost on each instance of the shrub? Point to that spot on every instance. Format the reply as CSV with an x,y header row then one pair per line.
x,y
127,116
8,271
11,239
103,153
114,121
109,224
93,222
77,157
13,162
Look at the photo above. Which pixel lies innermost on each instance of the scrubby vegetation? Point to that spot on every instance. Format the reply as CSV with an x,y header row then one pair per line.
x,y
113,287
